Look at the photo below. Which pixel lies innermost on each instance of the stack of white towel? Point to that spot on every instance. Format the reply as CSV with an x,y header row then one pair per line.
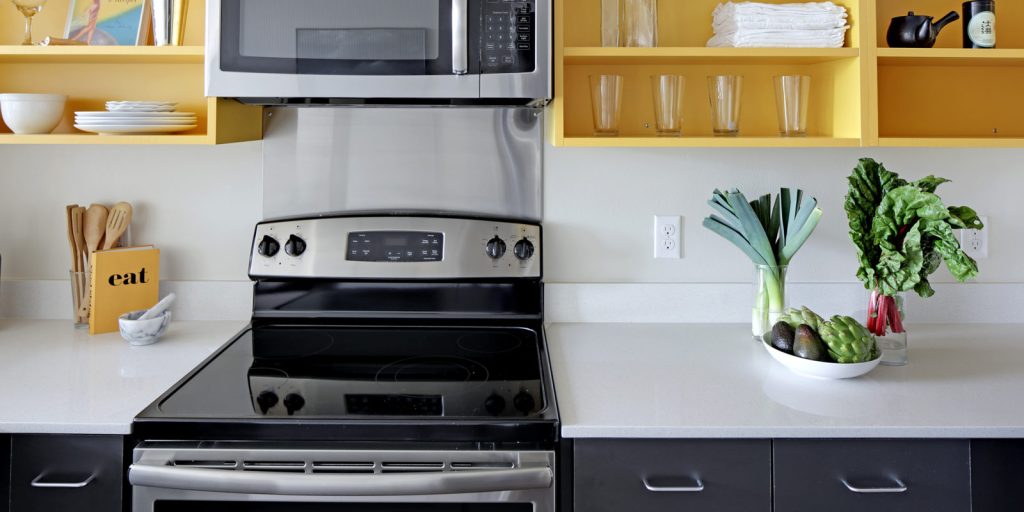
x,y
753,24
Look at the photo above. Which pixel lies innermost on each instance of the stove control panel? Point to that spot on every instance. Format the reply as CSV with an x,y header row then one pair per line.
x,y
395,247
309,396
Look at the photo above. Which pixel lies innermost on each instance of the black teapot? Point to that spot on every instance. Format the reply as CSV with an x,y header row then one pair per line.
x,y
912,31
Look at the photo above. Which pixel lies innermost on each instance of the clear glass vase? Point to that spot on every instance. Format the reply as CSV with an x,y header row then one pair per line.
x,y
886,317
769,298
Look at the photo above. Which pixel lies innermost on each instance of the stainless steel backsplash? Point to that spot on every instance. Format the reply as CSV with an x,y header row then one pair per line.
x,y
483,161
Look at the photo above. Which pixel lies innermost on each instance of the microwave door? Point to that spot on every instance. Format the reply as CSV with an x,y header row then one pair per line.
x,y
341,49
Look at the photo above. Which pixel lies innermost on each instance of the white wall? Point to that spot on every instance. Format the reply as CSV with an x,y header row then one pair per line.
x,y
599,206
197,204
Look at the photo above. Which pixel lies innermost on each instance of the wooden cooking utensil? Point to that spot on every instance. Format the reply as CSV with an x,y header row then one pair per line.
x,y
77,221
94,224
117,223
82,292
71,237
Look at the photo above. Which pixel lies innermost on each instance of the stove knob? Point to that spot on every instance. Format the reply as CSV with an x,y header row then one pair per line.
x,y
495,248
266,400
523,402
268,246
293,402
523,249
295,246
494,404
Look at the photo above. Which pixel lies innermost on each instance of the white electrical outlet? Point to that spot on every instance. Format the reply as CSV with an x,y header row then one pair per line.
x,y
975,241
668,236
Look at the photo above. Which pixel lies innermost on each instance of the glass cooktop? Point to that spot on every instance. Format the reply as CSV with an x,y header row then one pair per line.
x,y
368,372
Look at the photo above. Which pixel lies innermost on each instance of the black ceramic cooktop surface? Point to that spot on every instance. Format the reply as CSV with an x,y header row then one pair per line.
x,y
367,372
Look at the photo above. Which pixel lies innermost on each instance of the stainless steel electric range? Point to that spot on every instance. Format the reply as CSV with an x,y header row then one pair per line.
x,y
393,363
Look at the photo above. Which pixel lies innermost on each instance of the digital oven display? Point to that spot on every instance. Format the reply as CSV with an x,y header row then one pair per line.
x,y
396,246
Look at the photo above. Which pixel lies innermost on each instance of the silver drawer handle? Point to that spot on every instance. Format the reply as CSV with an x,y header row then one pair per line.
x,y
899,487
699,487
61,485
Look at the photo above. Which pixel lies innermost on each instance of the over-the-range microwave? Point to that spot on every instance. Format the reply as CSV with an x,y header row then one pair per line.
x,y
388,51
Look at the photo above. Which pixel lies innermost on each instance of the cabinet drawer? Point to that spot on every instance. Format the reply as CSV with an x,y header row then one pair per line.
x,y
667,475
66,473
876,475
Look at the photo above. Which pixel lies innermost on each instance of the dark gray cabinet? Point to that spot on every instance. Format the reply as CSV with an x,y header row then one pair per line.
x,y
68,473
5,473
997,475
654,475
876,475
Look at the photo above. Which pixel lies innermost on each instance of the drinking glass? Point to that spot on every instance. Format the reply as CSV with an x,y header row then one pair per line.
x,y
668,104
639,23
606,103
725,93
791,95
610,10
28,8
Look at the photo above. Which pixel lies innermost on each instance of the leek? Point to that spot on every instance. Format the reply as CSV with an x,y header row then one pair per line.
x,y
770,234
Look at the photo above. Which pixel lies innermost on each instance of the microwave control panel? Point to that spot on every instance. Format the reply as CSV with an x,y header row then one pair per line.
x,y
508,37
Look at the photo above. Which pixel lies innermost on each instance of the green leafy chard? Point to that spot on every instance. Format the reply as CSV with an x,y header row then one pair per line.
x,y
902,232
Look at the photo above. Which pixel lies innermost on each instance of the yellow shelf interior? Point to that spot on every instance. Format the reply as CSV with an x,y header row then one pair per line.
x,y
92,75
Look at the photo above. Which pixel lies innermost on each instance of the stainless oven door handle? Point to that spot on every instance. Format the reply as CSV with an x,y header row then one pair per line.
x,y
460,37
302,484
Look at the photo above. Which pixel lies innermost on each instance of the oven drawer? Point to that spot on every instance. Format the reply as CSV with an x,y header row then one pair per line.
x,y
303,478
876,475
659,475
66,473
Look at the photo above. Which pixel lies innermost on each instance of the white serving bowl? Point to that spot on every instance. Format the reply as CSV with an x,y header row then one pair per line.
x,y
143,332
819,369
32,113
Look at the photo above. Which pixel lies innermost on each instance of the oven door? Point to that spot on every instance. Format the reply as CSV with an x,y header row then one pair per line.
x,y
342,49
177,479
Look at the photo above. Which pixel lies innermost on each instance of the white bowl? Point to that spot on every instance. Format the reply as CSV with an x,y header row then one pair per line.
x,y
819,369
32,113
143,332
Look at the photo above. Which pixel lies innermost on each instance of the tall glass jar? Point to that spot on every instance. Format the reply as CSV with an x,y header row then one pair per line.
x,y
639,23
886,317
769,298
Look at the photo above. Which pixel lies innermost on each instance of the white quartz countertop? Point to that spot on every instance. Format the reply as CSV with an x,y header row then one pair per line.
x,y
713,381
58,379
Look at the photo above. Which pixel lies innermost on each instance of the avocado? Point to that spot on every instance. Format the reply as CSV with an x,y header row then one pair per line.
x,y
808,344
783,336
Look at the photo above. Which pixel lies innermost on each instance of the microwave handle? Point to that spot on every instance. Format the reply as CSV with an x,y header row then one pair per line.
x,y
303,484
460,37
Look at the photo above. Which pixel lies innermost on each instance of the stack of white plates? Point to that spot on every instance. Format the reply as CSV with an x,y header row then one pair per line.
x,y
122,122
141,106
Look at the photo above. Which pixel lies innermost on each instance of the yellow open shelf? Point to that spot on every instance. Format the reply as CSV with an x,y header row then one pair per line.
x,y
952,142
711,142
864,94
696,55
92,75
959,57
102,54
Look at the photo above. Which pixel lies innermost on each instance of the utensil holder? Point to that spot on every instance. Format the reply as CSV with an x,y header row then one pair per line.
x,y
80,298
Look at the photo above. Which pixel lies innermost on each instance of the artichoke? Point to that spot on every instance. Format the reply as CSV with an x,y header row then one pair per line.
x,y
848,341
795,317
